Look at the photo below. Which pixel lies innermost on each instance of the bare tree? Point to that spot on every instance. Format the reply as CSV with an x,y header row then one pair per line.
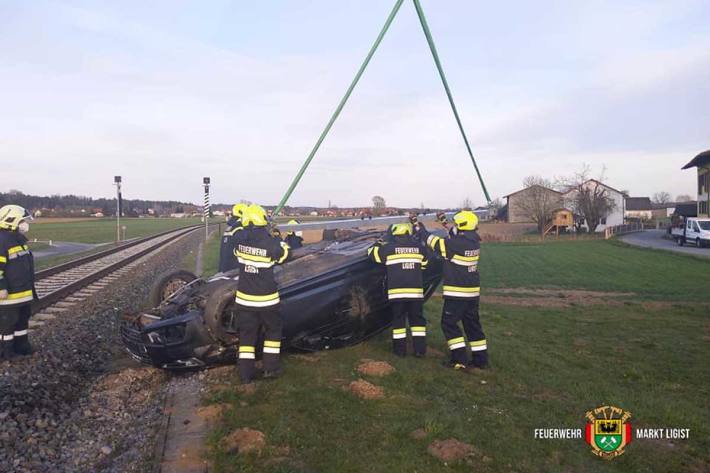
x,y
661,198
378,204
684,198
539,201
467,204
494,207
589,198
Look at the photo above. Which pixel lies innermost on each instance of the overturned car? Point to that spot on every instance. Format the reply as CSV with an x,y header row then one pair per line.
x,y
331,296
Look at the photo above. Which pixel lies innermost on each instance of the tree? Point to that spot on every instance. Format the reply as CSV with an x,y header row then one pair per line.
x,y
378,204
589,198
661,198
467,204
494,207
683,198
539,201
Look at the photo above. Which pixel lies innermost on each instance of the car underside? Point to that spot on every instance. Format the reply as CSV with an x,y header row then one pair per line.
x,y
331,296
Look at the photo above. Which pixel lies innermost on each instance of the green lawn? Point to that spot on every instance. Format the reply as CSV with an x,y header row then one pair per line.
x,y
102,230
550,366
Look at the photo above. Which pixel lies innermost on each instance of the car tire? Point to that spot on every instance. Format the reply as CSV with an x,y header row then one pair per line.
x,y
698,243
167,283
679,241
217,308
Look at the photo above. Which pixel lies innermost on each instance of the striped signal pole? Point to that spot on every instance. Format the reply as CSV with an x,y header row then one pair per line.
x,y
206,210
119,206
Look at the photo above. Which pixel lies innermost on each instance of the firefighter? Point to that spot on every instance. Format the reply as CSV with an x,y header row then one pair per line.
x,y
404,258
234,224
461,290
294,239
257,297
17,289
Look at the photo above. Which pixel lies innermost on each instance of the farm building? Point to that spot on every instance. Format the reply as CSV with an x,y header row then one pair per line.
x,y
702,162
518,206
639,208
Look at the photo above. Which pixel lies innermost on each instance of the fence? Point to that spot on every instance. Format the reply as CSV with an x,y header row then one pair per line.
x,y
622,229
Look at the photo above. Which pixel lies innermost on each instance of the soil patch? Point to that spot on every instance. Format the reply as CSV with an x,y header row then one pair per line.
x,y
450,450
374,368
418,434
212,413
244,440
365,390
556,298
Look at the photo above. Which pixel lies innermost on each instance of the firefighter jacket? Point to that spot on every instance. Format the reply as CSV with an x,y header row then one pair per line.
x,y
404,258
257,252
226,259
17,269
460,253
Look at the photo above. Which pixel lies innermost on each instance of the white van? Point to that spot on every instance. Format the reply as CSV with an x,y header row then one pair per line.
x,y
693,230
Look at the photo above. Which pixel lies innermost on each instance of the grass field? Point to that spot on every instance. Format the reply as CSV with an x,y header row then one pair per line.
x,y
550,366
102,230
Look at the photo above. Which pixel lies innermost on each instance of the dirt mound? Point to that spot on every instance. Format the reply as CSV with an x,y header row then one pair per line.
x,y
212,413
244,440
450,450
365,390
418,434
374,368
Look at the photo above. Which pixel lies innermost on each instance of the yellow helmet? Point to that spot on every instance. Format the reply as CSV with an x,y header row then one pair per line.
x,y
466,220
401,229
12,215
292,222
254,215
238,210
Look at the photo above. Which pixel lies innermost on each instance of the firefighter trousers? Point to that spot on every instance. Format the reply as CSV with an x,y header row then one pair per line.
x,y
465,311
250,325
403,311
14,322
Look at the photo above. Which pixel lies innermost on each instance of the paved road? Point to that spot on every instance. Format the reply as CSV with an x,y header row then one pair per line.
x,y
62,248
653,239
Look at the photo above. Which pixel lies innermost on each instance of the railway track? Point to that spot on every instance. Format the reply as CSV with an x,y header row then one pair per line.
x,y
63,287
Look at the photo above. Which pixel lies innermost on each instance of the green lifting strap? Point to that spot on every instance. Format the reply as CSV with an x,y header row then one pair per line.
x,y
430,40
360,71
345,98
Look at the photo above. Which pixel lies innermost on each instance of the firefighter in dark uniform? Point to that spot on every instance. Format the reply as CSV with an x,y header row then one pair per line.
x,y
226,248
17,289
404,258
461,290
257,295
293,239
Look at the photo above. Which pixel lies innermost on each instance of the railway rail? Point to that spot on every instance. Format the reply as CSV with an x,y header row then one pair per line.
x,y
64,286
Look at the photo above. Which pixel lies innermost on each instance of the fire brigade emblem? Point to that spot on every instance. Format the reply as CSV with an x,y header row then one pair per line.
x,y
608,431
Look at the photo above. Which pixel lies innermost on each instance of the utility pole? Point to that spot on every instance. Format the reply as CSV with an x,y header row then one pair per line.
x,y
119,205
206,211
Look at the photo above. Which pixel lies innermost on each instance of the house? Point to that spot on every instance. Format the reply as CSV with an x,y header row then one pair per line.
x,y
638,208
614,217
664,210
518,203
702,162
483,213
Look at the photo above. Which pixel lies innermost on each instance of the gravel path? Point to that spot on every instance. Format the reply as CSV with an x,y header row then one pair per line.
x,y
80,404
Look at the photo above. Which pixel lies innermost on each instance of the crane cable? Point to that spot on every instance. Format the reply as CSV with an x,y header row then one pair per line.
x,y
354,82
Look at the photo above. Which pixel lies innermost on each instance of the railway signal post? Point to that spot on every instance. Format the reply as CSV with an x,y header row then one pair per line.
x,y
206,211
117,183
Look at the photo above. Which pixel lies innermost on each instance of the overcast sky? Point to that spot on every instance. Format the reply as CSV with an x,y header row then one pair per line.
x,y
164,93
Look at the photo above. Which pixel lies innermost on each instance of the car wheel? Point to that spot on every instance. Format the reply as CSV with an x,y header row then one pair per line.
x,y
168,283
220,312
679,240
698,243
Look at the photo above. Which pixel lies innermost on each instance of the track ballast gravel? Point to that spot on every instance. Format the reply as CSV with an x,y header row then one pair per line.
x,y
79,404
